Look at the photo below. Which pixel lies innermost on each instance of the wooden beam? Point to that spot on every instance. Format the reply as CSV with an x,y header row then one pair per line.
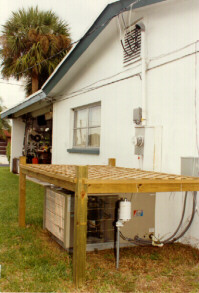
x,y
80,226
50,178
112,162
139,188
22,194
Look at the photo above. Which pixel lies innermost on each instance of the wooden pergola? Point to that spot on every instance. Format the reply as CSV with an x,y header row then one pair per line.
x,y
86,180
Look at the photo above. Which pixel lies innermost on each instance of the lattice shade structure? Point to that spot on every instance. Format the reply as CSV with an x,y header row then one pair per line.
x,y
90,180
103,179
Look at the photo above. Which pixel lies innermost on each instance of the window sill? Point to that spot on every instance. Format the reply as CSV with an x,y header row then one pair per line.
x,y
90,151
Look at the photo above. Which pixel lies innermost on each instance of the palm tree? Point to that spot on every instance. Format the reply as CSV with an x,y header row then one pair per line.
x,y
33,43
4,124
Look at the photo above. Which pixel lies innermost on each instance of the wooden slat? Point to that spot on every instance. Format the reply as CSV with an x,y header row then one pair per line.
x,y
66,174
50,179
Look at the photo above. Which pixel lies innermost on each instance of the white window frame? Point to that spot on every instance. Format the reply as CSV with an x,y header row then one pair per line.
x,y
75,110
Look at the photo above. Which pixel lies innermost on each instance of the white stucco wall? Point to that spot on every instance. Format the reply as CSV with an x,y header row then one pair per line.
x,y
172,31
17,139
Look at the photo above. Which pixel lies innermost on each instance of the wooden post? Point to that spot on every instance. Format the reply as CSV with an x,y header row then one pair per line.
x,y
22,194
112,162
44,209
80,226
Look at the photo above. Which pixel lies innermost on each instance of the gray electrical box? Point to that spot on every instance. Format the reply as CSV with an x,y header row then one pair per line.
x,y
190,166
137,115
139,141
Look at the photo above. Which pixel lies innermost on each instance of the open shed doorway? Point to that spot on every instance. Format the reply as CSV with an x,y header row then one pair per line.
x,y
38,139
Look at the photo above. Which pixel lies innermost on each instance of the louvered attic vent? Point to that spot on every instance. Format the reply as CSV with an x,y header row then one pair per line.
x,y
132,45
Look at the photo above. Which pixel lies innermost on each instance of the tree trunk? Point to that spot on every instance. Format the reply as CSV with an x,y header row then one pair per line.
x,y
35,83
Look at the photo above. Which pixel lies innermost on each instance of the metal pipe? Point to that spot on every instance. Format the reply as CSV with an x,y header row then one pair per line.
x,y
118,248
144,83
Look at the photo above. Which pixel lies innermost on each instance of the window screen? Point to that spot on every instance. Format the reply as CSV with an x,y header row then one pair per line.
x,y
87,122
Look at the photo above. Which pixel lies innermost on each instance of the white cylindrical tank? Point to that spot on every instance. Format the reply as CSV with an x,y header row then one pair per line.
x,y
125,210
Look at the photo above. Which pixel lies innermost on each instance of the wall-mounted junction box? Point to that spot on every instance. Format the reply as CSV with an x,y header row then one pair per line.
x,y
190,166
137,115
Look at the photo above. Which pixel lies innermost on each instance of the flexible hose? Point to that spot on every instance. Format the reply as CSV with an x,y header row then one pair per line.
x,y
182,217
190,221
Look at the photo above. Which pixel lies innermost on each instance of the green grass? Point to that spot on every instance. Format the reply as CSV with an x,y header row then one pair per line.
x,y
32,262
29,260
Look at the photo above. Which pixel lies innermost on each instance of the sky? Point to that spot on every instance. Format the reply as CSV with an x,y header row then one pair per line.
x,y
79,14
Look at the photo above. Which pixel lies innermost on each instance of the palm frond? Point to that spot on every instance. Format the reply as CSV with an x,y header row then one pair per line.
x,y
29,38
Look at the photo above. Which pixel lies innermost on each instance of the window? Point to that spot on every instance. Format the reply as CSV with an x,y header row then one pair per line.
x,y
131,45
87,122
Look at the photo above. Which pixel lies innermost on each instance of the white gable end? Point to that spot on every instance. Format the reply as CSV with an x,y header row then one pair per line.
x,y
172,101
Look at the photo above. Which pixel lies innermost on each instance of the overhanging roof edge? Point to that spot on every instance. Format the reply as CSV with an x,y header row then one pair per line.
x,y
98,26
107,14
38,96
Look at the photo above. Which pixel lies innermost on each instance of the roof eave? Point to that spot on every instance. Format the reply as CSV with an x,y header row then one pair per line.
x,y
36,97
100,23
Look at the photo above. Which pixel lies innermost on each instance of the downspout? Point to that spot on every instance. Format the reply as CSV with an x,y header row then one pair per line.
x,y
144,71
143,82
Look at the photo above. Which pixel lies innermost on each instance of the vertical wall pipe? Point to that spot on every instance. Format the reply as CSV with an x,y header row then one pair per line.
x,y
118,248
144,69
